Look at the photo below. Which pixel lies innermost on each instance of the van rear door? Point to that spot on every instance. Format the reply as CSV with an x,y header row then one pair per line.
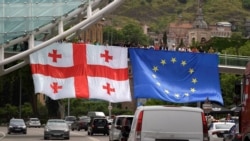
x,y
169,124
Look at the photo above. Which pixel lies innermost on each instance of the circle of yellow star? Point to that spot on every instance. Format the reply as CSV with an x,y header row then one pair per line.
x,y
191,71
163,62
155,69
194,80
173,60
183,63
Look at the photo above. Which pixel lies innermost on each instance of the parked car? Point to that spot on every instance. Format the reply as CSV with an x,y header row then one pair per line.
x,y
219,130
118,125
33,122
168,123
69,120
56,128
98,126
17,126
81,123
234,134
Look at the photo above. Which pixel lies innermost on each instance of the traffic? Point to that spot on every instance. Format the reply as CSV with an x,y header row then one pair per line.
x,y
158,122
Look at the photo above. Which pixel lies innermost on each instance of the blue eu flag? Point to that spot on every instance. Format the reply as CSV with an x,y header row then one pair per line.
x,y
178,77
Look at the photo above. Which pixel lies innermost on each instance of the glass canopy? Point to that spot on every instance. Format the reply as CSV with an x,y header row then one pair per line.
x,y
19,17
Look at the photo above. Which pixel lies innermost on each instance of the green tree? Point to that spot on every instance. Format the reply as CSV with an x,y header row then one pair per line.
x,y
227,85
112,36
246,4
10,111
245,49
27,110
133,34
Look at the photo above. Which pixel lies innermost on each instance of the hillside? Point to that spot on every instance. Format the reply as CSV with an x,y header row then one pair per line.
x,y
159,13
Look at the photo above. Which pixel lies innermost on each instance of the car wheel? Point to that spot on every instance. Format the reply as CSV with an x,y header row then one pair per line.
x,y
24,132
88,133
45,138
91,133
9,132
67,138
72,129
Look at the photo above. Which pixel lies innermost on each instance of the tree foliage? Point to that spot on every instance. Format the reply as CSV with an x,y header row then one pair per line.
x,y
228,86
246,4
130,34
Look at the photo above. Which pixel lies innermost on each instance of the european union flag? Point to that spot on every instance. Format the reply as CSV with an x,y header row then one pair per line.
x,y
178,77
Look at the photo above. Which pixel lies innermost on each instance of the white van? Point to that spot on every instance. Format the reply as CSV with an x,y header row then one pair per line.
x,y
92,114
162,123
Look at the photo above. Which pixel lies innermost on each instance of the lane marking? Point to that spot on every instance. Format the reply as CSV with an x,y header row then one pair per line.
x,y
2,137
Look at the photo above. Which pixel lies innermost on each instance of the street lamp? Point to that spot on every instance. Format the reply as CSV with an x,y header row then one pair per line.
x,y
68,106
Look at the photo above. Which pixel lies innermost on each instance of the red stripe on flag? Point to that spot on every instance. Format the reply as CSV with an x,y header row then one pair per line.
x,y
111,73
81,82
57,72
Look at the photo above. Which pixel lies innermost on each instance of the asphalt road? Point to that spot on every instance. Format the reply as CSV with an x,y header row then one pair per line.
x,y
36,134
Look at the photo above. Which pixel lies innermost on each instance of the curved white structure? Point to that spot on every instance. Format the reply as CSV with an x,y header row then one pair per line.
x,y
91,19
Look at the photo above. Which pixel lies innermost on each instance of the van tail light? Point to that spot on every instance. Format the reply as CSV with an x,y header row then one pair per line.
x,y
205,128
139,126
239,137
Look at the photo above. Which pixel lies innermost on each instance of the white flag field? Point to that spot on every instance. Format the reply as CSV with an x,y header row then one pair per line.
x,y
76,70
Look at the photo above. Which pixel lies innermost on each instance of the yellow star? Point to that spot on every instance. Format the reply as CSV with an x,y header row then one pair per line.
x,y
194,80
173,60
192,90
183,63
155,69
163,62
166,91
191,70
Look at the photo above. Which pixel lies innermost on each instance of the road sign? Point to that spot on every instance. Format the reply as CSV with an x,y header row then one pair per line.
x,y
207,107
110,107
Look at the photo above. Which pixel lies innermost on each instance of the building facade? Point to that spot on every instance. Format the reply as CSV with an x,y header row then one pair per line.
x,y
183,33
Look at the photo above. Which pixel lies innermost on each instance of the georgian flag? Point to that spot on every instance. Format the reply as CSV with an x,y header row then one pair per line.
x,y
69,70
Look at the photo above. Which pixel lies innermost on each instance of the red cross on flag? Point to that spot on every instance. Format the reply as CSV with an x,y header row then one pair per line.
x,y
67,70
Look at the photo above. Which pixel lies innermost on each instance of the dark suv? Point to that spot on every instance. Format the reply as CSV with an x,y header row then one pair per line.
x,y
17,126
98,126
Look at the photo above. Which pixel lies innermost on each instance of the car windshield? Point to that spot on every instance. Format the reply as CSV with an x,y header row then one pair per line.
x,y
34,119
17,121
71,118
223,126
100,122
56,122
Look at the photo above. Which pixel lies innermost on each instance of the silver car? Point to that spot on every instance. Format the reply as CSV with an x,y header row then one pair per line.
x,y
33,122
56,128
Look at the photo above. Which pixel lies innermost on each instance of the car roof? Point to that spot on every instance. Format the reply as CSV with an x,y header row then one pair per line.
x,y
124,116
34,118
16,119
223,123
167,107
56,120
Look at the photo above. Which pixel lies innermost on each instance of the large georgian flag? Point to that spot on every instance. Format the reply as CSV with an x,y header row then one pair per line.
x,y
67,70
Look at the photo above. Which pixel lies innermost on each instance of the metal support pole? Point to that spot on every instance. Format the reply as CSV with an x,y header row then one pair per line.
x,y
68,106
20,97
110,108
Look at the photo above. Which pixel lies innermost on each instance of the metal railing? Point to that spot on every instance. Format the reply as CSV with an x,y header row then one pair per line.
x,y
233,60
